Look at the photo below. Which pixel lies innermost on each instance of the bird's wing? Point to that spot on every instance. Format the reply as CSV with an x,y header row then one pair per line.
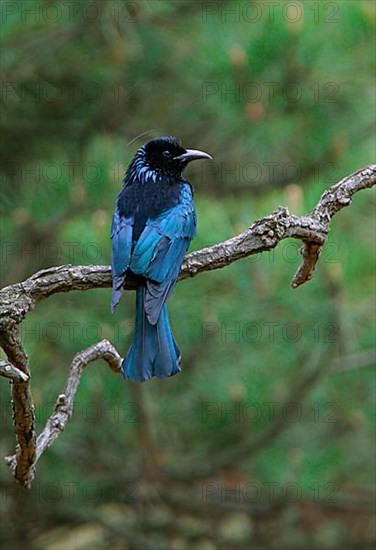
x,y
160,251
121,237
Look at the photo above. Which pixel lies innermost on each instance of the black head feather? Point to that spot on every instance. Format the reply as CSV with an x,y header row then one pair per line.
x,y
160,155
163,156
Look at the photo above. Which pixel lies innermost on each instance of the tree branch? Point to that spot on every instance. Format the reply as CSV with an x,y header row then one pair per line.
x,y
23,467
265,234
331,202
64,404
18,299
13,373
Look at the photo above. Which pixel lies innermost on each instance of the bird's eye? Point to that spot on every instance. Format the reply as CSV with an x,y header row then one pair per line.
x,y
167,154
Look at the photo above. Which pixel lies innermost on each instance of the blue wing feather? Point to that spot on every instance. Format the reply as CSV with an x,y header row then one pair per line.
x,y
167,272
160,250
121,237
158,253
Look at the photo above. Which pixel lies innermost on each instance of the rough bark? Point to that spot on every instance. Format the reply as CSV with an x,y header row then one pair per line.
x,y
18,299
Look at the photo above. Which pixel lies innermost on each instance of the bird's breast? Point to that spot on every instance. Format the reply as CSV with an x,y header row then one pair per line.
x,y
145,201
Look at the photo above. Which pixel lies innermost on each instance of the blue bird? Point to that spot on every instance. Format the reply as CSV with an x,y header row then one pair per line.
x,y
153,224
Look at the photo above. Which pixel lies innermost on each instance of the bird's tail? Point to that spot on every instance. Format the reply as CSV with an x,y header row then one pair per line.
x,y
153,351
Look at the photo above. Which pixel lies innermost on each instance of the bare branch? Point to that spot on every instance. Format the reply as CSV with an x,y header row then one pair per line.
x,y
23,411
13,373
64,404
265,234
331,202
310,253
16,300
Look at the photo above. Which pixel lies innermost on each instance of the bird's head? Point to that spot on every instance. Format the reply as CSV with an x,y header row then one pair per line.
x,y
164,155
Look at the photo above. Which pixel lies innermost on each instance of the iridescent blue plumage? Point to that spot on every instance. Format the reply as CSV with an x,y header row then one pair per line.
x,y
153,224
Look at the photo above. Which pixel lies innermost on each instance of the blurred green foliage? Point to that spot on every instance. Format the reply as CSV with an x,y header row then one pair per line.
x,y
283,102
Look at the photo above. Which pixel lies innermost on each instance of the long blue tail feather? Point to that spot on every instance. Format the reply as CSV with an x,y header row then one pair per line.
x,y
154,351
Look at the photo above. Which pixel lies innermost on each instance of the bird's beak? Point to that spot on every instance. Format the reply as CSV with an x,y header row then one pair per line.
x,y
193,154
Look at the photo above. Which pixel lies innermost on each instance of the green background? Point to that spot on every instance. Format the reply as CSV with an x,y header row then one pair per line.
x,y
283,99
